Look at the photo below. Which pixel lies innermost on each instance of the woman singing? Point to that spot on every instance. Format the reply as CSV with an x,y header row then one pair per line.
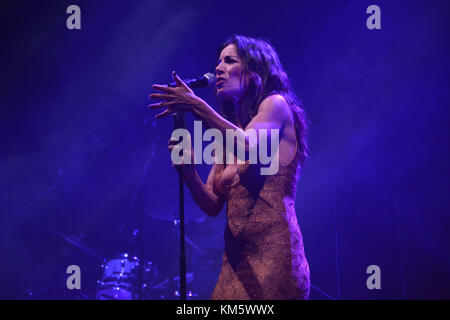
x,y
264,256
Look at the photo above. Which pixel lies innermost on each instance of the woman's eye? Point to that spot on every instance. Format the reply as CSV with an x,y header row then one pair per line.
x,y
228,60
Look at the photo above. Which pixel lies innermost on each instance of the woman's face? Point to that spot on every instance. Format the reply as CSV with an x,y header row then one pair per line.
x,y
229,74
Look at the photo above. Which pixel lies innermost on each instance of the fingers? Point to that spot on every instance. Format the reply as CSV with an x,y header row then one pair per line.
x,y
163,114
155,106
162,88
162,104
179,150
178,80
168,96
161,96
174,147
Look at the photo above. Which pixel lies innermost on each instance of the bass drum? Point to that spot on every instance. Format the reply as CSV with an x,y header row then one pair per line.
x,y
119,280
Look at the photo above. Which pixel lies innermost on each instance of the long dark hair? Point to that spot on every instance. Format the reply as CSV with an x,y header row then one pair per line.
x,y
266,76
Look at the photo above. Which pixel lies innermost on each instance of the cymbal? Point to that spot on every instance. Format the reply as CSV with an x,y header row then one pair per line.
x,y
78,243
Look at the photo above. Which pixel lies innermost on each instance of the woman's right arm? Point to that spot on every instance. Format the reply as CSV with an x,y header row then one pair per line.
x,y
202,193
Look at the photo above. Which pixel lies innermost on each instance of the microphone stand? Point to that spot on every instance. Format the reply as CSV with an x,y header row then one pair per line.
x,y
180,123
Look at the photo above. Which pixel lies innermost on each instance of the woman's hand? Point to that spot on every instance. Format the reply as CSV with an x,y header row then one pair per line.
x,y
180,98
187,168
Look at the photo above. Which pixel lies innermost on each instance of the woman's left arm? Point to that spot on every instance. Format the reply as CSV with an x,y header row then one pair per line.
x,y
273,112
182,98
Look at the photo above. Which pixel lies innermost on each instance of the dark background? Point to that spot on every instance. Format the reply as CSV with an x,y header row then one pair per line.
x,y
77,139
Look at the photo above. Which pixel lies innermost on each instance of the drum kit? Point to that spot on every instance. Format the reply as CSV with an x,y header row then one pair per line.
x,y
120,281
118,276
127,274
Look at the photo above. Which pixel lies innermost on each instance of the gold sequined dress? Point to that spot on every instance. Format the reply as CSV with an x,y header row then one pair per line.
x,y
264,256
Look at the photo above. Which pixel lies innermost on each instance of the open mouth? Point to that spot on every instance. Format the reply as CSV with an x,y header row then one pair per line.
x,y
220,81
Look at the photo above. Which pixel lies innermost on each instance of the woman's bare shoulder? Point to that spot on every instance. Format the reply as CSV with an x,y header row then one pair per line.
x,y
274,103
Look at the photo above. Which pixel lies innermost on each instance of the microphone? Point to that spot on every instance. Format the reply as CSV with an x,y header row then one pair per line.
x,y
207,80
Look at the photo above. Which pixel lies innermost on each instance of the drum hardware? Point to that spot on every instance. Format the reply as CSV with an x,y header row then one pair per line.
x,y
169,289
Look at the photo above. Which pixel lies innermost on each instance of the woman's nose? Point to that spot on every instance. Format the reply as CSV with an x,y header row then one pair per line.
x,y
219,70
